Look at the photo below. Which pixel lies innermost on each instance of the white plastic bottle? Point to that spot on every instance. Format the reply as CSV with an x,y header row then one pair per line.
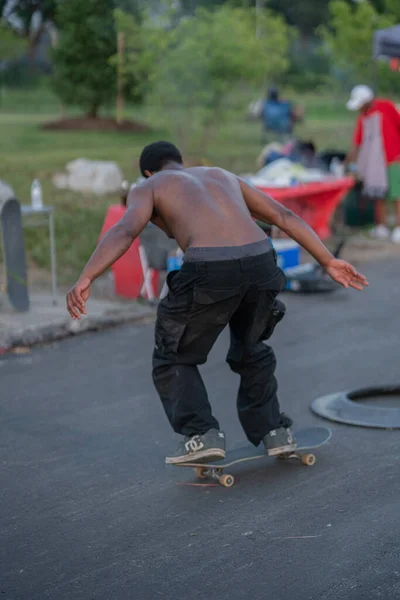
x,y
36,195
337,168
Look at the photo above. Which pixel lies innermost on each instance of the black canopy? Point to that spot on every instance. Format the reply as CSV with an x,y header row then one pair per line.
x,y
387,43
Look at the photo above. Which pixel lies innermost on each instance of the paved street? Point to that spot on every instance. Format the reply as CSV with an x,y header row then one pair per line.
x,y
90,512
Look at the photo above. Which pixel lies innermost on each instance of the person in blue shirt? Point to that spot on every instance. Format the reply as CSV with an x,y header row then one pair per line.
x,y
279,117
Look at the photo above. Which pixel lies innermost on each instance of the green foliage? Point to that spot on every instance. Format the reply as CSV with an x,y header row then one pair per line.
x,y
190,6
349,40
22,11
306,15
132,7
83,73
11,45
392,7
141,40
309,66
208,56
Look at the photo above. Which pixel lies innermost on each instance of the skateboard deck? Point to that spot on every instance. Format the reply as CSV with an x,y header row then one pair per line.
x,y
14,255
307,439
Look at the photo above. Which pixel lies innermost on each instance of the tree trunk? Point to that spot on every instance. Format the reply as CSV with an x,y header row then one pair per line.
x,y
53,32
120,79
93,111
34,41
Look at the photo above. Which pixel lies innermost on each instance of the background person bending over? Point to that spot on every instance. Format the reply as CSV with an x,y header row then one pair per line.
x,y
376,149
229,277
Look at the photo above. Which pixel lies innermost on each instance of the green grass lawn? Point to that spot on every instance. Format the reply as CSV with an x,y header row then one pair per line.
x,y
27,152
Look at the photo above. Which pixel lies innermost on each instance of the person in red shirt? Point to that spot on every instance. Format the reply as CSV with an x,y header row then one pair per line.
x,y
376,149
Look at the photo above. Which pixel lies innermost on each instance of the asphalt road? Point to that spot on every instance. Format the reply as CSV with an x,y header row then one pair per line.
x,y
88,511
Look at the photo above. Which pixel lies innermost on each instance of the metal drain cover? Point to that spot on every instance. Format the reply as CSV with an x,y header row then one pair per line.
x,y
344,407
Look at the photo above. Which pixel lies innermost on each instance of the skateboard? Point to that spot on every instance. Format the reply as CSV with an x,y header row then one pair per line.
x,y
310,278
307,439
14,255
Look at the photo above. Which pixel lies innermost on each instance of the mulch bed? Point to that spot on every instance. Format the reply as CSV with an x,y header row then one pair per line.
x,y
99,124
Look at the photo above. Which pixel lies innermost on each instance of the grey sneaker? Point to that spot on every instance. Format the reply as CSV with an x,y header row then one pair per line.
x,y
200,448
279,441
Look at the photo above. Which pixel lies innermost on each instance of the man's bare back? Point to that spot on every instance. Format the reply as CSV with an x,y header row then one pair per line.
x,y
202,206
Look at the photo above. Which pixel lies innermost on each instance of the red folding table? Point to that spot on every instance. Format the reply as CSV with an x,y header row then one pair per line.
x,y
314,202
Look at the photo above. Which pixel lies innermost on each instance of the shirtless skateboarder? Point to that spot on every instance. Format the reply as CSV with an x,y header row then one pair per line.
x,y
229,276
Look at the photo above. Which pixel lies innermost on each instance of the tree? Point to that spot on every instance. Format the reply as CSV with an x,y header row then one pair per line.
x,y
87,40
392,7
29,18
10,44
135,63
306,15
349,40
190,6
132,7
209,56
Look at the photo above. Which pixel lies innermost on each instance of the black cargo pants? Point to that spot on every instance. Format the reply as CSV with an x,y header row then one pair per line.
x,y
204,297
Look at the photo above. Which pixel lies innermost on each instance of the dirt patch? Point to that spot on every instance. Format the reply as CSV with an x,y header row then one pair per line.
x,y
99,124
38,279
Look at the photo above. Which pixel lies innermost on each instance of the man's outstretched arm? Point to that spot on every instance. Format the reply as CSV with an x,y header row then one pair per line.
x,y
265,209
112,246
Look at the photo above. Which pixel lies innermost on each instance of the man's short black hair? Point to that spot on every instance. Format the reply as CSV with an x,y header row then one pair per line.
x,y
273,94
155,156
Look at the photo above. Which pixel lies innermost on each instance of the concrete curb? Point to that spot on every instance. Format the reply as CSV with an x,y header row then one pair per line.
x,y
41,334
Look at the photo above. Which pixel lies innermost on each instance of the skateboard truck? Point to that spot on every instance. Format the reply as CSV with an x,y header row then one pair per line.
x,y
307,459
224,479
227,480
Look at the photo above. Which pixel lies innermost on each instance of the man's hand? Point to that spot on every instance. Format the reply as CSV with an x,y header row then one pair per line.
x,y
77,296
345,274
351,157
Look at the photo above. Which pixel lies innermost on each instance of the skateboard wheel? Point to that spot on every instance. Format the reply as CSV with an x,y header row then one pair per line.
x,y
227,480
308,459
201,472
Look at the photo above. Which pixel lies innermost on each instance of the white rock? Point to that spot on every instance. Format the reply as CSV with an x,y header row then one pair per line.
x,y
60,180
90,176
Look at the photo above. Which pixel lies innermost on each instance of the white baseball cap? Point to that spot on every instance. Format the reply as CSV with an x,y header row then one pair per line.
x,y
360,95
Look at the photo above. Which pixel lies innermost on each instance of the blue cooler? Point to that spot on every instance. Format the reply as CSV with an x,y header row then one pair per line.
x,y
288,252
174,263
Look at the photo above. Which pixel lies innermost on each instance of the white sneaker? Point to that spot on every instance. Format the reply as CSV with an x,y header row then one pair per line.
x,y
396,235
380,232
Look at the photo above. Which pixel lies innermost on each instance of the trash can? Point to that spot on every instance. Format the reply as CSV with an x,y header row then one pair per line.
x,y
358,210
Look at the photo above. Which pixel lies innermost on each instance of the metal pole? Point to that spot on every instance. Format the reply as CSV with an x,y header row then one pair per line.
x,y
53,256
120,77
